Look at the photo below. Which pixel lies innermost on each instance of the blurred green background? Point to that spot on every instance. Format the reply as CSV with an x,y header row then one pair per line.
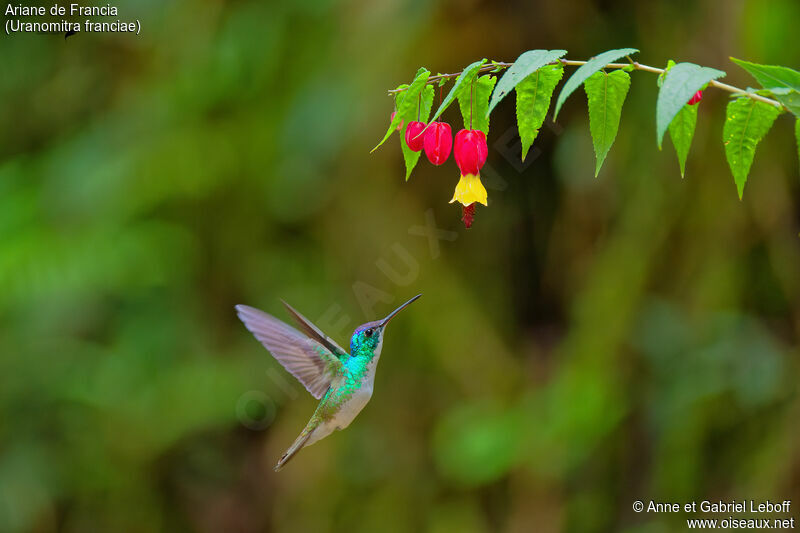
x,y
590,342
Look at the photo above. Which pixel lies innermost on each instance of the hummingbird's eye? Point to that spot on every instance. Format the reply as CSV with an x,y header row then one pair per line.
x,y
368,333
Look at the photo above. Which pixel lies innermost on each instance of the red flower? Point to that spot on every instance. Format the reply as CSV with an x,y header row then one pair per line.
x,y
413,138
696,98
470,151
438,142
470,154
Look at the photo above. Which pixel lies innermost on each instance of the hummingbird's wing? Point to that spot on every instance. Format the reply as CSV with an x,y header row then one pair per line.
x,y
314,332
306,359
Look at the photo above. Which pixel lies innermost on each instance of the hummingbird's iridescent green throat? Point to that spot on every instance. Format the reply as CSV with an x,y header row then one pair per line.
x,y
342,381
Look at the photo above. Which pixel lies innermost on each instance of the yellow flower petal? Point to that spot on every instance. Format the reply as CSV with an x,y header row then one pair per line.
x,y
470,190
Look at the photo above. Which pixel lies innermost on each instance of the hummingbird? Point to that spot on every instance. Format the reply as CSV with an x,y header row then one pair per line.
x,y
341,381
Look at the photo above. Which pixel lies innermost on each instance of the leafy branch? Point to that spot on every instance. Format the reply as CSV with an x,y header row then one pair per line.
x,y
496,66
534,75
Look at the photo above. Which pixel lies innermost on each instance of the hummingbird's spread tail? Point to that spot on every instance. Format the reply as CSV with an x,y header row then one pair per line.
x,y
295,447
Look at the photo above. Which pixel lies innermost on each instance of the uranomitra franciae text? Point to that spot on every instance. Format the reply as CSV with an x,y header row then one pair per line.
x,y
19,22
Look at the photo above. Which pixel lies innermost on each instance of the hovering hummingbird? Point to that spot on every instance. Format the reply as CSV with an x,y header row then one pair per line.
x,y
342,380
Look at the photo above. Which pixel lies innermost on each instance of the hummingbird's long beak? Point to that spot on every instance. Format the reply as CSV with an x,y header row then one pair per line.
x,y
393,313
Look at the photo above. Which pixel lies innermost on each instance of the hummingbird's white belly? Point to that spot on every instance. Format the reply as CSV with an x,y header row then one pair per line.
x,y
345,416
354,406
350,409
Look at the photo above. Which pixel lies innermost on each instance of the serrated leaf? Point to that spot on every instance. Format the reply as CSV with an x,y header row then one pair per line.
x,y
465,78
681,131
746,123
586,70
533,101
680,84
426,102
473,99
525,65
775,76
407,102
606,94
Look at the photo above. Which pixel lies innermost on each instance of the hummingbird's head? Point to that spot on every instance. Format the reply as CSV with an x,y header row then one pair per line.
x,y
368,338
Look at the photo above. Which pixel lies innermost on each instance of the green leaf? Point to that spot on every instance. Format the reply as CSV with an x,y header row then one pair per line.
x,y
660,79
474,100
407,102
533,101
746,123
774,77
426,102
525,65
680,84
606,94
681,131
584,71
466,77
774,91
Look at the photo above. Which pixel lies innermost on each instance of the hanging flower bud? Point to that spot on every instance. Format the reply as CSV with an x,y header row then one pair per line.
x,y
696,98
438,142
399,126
470,151
414,140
